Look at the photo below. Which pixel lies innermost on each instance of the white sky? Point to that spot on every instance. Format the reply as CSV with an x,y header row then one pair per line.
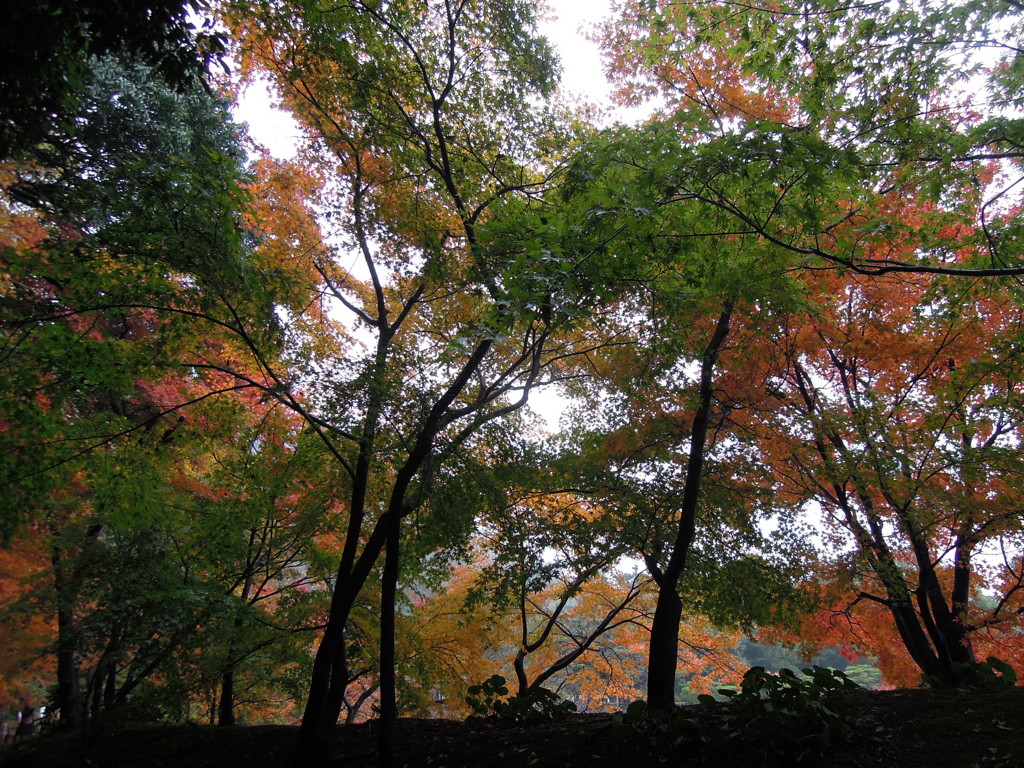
x,y
582,71
582,74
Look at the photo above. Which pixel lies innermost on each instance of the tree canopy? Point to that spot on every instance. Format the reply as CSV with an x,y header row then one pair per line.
x,y
268,451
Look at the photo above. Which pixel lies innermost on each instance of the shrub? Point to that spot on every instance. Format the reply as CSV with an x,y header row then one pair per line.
x,y
486,700
787,718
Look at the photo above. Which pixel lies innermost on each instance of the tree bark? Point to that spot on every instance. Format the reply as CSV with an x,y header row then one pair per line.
x,y
68,698
388,725
226,705
664,650
663,655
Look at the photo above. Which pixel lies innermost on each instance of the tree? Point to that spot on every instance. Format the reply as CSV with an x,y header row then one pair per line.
x,y
135,208
789,133
252,515
834,109
672,440
130,209
590,641
429,121
551,566
48,46
899,414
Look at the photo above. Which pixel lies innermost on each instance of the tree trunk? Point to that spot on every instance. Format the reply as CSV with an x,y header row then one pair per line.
x,y
110,687
663,655
330,671
352,710
324,685
226,706
68,698
94,695
329,679
664,651
388,657
519,665
337,693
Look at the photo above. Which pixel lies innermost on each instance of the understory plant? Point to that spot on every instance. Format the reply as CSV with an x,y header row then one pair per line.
x,y
787,718
990,673
488,699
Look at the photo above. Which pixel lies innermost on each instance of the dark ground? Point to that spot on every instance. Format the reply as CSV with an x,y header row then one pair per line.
x,y
901,729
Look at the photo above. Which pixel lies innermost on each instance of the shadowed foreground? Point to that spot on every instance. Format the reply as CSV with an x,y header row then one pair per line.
x,y
901,729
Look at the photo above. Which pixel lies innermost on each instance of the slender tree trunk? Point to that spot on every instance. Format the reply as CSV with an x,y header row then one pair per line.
x,y
914,638
519,665
95,691
68,698
330,673
324,684
110,687
336,694
388,658
328,681
932,631
226,705
352,710
663,654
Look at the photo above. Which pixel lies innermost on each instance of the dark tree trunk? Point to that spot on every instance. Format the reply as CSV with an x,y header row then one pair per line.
x,y
327,685
226,705
932,631
388,684
95,691
330,672
110,687
68,695
336,694
352,709
330,676
663,653
519,665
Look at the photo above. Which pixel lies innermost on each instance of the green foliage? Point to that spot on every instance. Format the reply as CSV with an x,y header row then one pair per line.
x,y
139,205
788,716
990,673
146,173
487,700
655,723
485,697
865,675
48,44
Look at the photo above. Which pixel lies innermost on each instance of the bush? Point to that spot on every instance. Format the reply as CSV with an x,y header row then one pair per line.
x,y
787,718
991,673
486,700
655,723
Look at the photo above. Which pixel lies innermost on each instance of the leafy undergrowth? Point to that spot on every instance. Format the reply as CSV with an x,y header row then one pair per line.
x,y
895,729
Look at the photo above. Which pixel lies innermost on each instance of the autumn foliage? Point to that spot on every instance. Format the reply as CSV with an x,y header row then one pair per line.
x,y
266,443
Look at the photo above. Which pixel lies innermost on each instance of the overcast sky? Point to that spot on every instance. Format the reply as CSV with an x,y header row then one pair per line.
x,y
582,74
581,63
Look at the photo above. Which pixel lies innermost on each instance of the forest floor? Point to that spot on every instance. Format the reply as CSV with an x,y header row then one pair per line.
x,y
894,729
